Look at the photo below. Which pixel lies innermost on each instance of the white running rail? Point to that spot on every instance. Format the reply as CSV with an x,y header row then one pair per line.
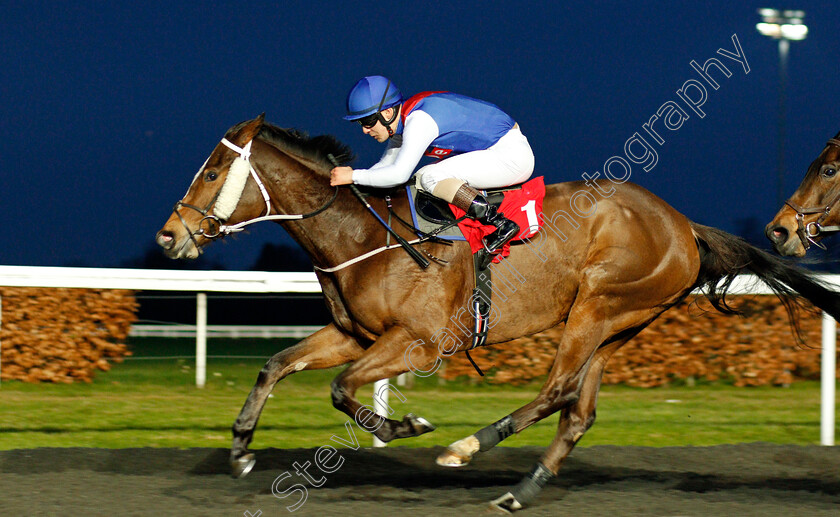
x,y
202,282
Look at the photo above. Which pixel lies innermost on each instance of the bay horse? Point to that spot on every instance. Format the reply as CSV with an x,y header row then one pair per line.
x,y
812,211
606,279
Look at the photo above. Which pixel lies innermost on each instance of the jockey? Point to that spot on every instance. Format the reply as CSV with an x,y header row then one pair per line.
x,y
479,147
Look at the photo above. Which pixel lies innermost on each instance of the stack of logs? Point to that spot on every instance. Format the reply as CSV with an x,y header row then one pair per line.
x,y
65,335
688,343
62,335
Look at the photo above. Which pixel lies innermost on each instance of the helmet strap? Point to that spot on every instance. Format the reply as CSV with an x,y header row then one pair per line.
x,y
387,123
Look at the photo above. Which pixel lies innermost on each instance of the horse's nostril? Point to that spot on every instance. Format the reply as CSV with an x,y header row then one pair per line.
x,y
165,239
777,234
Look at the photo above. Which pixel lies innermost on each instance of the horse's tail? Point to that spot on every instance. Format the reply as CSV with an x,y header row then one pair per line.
x,y
723,256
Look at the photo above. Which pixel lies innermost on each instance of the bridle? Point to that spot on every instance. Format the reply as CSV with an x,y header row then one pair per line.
x,y
223,229
808,232
214,220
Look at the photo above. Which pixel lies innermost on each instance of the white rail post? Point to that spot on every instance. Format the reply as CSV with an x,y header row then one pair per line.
x,y
201,340
828,374
380,404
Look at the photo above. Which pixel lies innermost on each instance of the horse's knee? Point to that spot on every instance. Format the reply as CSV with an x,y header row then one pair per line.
x,y
263,376
578,424
569,399
560,399
279,366
269,369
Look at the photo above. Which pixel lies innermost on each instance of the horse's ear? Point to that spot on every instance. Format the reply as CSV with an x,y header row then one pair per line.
x,y
251,129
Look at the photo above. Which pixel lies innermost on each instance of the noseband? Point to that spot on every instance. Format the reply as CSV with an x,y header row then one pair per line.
x,y
808,232
218,221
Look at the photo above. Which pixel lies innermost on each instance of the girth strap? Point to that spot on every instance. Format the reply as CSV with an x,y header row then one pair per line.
x,y
480,302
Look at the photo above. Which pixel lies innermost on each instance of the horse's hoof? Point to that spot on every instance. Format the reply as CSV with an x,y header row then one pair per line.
x,y
240,467
450,458
459,453
506,504
419,424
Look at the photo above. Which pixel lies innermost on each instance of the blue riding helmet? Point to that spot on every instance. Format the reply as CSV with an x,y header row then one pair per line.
x,y
371,95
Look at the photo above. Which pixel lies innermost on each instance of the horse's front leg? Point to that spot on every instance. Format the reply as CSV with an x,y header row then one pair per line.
x,y
324,349
385,359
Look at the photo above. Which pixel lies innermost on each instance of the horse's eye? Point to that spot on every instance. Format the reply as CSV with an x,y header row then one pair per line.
x,y
828,173
210,176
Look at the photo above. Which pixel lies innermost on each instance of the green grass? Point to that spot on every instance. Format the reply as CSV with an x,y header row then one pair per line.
x,y
155,403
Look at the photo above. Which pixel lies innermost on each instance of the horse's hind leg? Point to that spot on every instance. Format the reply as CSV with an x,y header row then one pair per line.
x,y
324,349
586,329
590,326
574,422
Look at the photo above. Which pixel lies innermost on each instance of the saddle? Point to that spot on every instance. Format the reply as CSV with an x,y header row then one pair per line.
x,y
429,213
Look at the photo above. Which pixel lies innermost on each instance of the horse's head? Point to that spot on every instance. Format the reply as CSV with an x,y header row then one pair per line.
x,y
214,196
812,210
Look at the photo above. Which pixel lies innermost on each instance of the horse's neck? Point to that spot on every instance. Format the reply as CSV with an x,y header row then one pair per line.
x,y
341,232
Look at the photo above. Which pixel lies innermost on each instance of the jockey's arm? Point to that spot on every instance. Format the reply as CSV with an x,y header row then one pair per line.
x,y
390,154
398,163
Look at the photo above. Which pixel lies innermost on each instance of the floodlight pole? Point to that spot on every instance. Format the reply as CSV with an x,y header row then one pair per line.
x,y
784,49
783,26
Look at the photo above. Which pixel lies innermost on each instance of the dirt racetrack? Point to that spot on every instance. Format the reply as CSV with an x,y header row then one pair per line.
x,y
726,480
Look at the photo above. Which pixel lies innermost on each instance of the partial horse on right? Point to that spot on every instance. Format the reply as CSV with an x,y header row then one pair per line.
x,y
812,212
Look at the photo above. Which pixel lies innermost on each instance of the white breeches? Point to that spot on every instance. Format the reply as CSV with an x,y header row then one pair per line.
x,y
507,162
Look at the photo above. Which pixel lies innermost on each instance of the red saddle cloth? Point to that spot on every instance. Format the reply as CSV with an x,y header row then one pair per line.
x,y
522,206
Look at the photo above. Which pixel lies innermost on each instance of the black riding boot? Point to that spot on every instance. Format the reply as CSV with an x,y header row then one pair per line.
x,y
477,207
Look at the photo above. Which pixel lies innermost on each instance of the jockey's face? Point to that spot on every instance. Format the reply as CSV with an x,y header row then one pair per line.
x,y
378,131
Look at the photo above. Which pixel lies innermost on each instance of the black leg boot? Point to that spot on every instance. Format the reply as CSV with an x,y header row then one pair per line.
x,y
477,207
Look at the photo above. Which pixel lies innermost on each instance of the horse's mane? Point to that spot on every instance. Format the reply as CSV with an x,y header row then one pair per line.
x,y
298,142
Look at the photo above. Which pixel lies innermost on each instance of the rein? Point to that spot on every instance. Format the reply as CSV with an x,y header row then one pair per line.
x,y
808,232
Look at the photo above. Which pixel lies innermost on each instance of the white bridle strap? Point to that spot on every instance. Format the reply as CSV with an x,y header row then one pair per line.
x,y
245,154
245,157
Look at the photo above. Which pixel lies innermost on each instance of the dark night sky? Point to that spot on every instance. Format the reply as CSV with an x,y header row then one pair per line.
x,y
109,109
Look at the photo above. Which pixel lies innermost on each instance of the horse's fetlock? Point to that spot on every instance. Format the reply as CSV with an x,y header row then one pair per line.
x,y
590,419
527,490
338,394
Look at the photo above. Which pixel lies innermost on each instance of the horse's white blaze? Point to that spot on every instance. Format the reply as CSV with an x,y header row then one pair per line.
x,y
232,189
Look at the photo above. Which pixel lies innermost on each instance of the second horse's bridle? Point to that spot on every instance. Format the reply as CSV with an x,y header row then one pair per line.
x,y
808,232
